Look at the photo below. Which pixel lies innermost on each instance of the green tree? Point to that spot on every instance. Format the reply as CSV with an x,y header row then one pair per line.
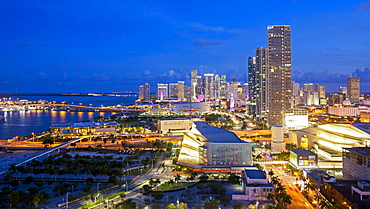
x,y
182,205
169,205
196,207
238,206
17,197
211,204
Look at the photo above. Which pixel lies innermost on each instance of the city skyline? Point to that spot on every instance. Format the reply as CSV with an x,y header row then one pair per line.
x,y
96,47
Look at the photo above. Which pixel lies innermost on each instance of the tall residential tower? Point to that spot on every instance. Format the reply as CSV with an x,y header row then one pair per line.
x,y
279,73
353,89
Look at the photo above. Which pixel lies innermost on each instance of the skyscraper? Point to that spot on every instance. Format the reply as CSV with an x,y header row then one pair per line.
x,y
181,90
194,84
279,73
144,92
353,89
208,86
261,69
308,87
223,87
162,91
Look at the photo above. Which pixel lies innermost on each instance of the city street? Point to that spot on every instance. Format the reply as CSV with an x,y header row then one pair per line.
x,y
288,181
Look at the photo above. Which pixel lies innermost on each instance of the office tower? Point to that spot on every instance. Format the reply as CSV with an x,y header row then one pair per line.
x,y
353,89
321,90
162,91
253,85
200,87
233,89
208,86
311,98
217,87
187,93
181,90
144,92
308,87
336,98
194,84
141,93
241,92
296,88
279,74
173,91
262,69
343,90
223,87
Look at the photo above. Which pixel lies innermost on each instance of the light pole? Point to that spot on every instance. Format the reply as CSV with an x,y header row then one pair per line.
x,y
67,199
97,188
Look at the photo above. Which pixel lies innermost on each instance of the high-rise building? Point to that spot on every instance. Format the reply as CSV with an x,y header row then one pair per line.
x,y
257,82
208,86
194,84
308,87
144,92
162,91
321,90
181,90
296,88
343,90
279,73
217,87
173,91
253,85
353,89
262,69
223,87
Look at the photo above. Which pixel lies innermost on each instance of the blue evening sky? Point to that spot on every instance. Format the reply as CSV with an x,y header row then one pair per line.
x,y
117,45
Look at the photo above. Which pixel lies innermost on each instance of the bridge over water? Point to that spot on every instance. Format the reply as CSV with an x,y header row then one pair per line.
x,y
80,107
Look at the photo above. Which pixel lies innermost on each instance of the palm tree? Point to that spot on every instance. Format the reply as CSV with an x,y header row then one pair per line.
x,y
271,198
271,173
170,182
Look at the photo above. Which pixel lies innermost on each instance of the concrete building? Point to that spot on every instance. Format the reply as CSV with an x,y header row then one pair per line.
x,y
208,85
255,186
162,91
308,87
348,194
336,98
310,98
173,91
356,163
277,139
144,92
181,90
191,108
347,110
328,141
296,119
303,159
353,89
206,145
194,85
166,125
279,73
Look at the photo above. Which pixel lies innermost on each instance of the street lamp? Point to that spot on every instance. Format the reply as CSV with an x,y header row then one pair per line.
x,y
67,199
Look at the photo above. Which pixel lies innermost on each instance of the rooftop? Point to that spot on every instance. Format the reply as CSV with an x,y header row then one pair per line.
x,y
364,151
217,135
302,152
86,124
255,174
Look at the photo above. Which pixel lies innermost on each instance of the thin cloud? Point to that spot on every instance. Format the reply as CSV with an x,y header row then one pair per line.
x,y
203,43
219,29
364,6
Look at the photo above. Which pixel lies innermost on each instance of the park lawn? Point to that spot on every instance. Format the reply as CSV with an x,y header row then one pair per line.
x,y
167,186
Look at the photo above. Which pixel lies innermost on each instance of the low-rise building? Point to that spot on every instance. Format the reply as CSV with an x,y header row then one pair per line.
x,y
166,125
255,186
106,127
348,194
209,146
356,163
303,159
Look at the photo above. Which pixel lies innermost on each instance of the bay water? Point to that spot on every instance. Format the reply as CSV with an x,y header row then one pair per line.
x,y
23,123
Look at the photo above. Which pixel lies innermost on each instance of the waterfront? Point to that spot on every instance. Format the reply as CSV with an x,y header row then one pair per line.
x,y
22,123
